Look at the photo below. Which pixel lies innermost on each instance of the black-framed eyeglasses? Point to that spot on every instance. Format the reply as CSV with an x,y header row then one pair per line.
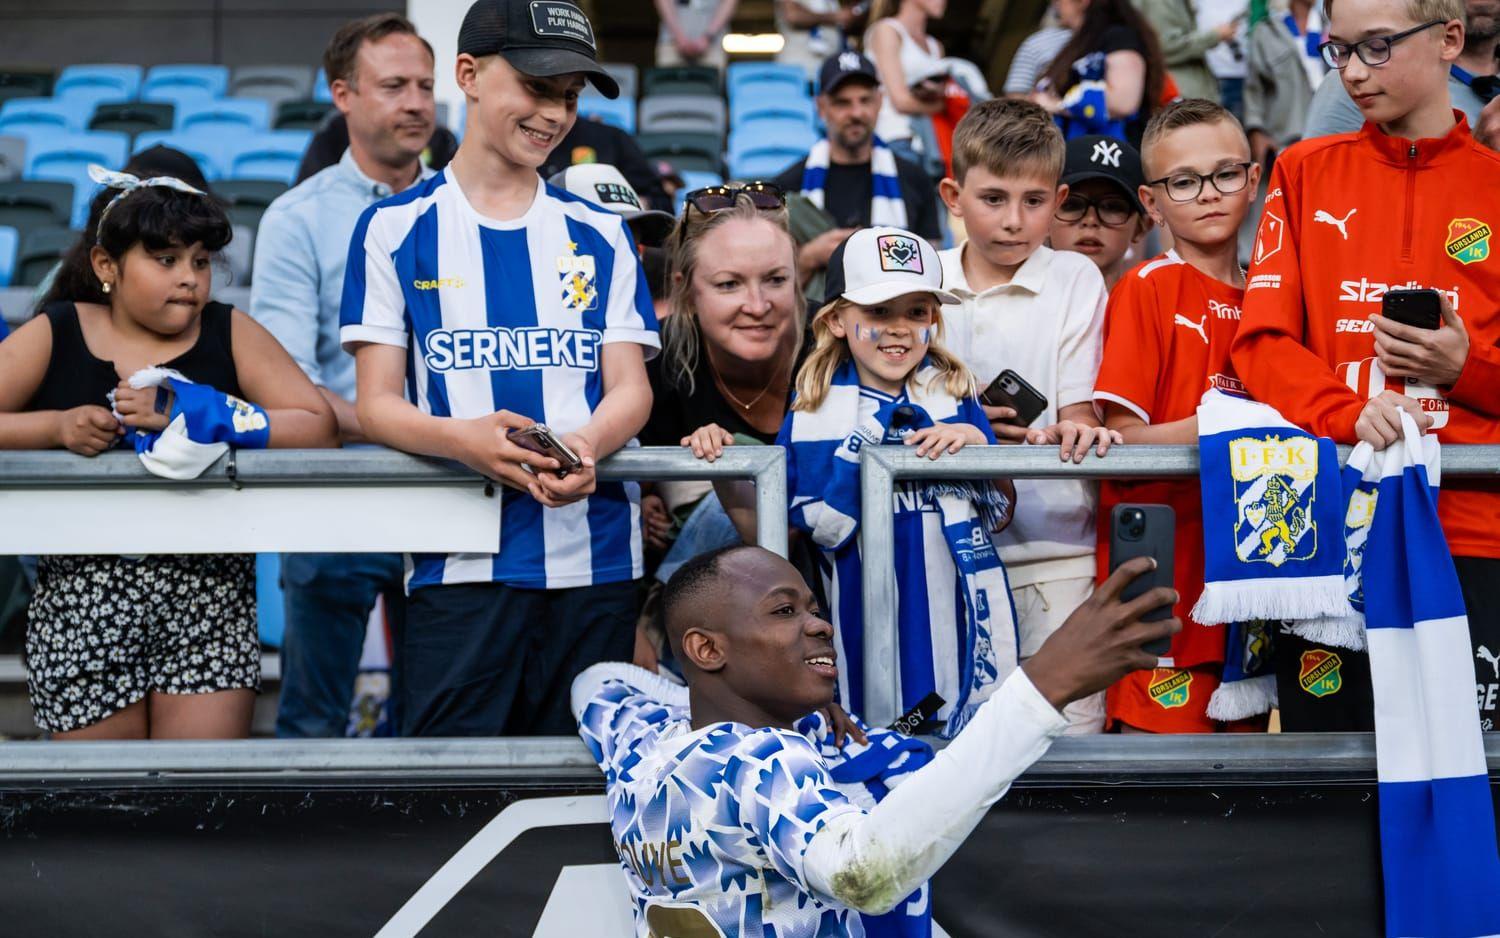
x,y
1373,51
1185,187
1112,210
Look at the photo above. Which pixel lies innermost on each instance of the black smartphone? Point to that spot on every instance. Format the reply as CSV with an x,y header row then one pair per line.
x,y
539,438
1011,390
1145,531
1419,308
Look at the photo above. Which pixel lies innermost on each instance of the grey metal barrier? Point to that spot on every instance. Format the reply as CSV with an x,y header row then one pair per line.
x,y
883,466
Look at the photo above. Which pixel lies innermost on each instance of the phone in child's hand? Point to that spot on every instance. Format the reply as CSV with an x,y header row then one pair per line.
x,y
1145,531
539,438
1419,308
1011,390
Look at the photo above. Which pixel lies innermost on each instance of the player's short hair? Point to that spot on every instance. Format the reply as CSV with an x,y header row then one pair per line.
x,y
1188,112
691,580
342,50
1008,136
1422,11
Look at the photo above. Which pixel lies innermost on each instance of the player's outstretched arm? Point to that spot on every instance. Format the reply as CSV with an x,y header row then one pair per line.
x,y
872,861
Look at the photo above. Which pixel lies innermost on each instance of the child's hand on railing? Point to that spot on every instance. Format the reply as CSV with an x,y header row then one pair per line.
x,y
1074,439
708,442
941,438
88,430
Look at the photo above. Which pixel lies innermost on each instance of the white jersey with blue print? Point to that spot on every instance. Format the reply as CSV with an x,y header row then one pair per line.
x,y
508,315
712,825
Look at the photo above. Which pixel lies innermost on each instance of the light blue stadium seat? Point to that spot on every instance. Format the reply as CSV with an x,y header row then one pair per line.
x,y
50,115
762,77
210,80
118,82
774,132
83,188
221,113
762,159
619,112
50,151
270,605
272,155
10,242
772,104
321,91
209,150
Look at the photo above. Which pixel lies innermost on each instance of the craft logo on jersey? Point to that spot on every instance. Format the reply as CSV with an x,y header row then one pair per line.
x,y
1273,491
579,295
1468,240
900,253
1356,533
1170,688
1319,673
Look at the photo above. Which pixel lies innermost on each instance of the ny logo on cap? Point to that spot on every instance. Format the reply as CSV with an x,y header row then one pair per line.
x,y
900,253
1107,153
849,62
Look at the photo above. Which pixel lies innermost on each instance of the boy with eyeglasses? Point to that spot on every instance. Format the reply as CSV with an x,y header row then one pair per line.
x,y
1166,340
1408,202
1102,216
478,303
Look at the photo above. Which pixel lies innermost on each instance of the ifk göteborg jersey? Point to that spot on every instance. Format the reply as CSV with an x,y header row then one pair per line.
x,y
512,316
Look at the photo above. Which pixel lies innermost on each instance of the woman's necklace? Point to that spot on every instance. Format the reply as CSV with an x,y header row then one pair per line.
x,y
724,386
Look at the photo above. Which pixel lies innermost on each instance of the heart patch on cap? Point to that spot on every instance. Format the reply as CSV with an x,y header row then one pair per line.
x,y
899,253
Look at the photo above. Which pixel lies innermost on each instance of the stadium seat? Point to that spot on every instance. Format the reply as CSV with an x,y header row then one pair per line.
x,y
25,83
776,131
118,82
273,155
757,77
685,151
209,151
26,204
53,150
682,79
41,249
272,84
206,80
691,113
321,91
626,75
248,198
224,114
759,159
302,114
132,117
10,244
772,105
75,175
619,112
25,115
12,157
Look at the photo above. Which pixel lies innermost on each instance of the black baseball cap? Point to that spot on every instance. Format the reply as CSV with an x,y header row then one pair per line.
x,y
1099,157
538,37
845,66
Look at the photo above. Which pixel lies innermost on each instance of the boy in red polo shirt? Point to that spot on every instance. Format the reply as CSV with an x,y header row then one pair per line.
x,y
1167,332
1407,202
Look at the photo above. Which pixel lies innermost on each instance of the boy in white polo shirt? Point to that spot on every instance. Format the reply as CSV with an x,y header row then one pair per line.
x,y
1039,313
476,303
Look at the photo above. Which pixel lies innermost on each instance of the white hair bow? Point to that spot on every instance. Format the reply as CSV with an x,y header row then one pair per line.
x,y
127,184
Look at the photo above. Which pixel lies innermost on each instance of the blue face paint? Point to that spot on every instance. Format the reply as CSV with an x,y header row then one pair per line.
x,y
921,334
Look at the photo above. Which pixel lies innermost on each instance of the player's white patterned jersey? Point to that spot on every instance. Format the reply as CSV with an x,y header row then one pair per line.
x,y
508,316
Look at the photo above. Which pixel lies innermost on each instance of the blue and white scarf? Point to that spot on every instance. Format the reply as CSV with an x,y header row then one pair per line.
x,y
1272,516
886,205
956,626
204,424
1437,821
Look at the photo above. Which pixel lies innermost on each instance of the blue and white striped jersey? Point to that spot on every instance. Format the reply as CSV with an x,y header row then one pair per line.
x,y
512,316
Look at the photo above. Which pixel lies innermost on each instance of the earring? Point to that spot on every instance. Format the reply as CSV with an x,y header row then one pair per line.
x,y
106,288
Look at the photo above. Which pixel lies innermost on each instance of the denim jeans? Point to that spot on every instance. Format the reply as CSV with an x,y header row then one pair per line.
x,y
328,598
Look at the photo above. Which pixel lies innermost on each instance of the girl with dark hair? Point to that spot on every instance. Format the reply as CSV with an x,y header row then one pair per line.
x,y
164,646
1110,77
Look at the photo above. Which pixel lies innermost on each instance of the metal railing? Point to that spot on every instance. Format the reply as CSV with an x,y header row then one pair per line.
x,y
883,466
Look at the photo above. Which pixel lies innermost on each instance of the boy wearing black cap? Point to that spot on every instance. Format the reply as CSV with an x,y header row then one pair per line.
x,y
496,302
1102,217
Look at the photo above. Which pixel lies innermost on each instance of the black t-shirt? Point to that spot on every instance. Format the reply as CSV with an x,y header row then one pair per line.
x,y
675,412
849,188
591,141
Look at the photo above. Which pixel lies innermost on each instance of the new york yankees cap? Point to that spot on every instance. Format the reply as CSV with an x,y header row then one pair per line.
x,y
538,37
843,67
875,265
605,186
1097,157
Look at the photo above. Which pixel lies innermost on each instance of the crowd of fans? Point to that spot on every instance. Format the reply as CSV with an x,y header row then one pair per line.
x,y
1086,232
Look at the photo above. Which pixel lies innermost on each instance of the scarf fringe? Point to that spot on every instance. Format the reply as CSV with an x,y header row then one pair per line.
x,y
1240,700
1228,601
1338,631
993,508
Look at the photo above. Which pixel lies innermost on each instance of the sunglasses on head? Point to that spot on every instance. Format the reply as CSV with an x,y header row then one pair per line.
x,y
765,196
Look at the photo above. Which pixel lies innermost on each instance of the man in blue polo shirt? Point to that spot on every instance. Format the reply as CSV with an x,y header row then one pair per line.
x,y
477,303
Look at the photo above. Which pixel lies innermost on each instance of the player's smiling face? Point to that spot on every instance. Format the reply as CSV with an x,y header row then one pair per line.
x,y
523,116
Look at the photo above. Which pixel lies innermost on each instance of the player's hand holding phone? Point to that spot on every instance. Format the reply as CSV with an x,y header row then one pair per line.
x,y
575,480
1419,336
484,445
1102,640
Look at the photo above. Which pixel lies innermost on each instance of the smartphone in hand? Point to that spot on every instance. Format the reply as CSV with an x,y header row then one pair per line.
x,y
540,439
1011,390
1145,531
1421,309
